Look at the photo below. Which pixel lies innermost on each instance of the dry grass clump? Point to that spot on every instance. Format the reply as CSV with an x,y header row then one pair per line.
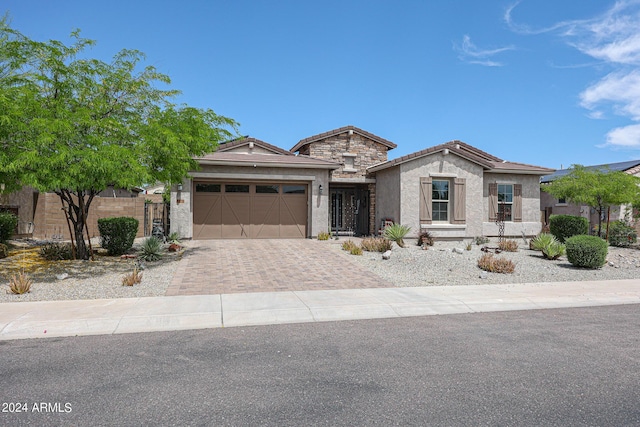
x,y
348,245
323,235
488,262
376,244
356,250
508,246
132,278
20,283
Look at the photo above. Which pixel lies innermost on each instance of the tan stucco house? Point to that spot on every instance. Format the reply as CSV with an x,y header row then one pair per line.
x,y
342,181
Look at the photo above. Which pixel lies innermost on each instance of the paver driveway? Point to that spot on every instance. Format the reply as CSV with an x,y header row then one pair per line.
x,y
232,266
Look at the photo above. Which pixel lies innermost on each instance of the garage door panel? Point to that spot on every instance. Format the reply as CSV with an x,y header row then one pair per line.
x,y
207,217
293,214
236,216
265,216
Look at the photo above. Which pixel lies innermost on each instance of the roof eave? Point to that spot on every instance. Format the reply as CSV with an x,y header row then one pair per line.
x,y
209,162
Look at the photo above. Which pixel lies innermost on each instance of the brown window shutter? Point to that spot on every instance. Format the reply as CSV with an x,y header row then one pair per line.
x,y
493,202
517,202
459,201
425,200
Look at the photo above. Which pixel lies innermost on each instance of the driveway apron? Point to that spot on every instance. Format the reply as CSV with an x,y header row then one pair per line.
x,y
234,266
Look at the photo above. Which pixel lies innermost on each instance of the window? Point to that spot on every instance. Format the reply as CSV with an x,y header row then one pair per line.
x,y
267,189
440,200
293,189
207,188
505,201
235,188
562,201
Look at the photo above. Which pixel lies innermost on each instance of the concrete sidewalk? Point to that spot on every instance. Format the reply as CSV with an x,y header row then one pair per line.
x,y
116,316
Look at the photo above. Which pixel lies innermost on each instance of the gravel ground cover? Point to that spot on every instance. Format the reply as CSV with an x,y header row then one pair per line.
x,y
439,265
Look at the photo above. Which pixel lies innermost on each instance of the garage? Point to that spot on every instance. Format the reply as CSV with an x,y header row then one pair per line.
x,y
256,210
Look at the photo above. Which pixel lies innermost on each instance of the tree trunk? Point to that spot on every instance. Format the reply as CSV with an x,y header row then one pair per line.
x,y
78,211
81,246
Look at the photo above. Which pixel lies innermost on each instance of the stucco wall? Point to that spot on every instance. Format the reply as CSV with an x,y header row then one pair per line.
x,y
531,217
445,166
387,195
318,217
23,201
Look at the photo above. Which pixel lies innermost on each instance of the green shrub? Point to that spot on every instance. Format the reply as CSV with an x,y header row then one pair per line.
x,y
621,234
151,249
8,223
56,251
117,234
481,240
396,233
550,247
565,226
4,251
376,244
356,250
586,251
323,235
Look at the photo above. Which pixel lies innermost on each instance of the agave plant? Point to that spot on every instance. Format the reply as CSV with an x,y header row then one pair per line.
x,y
151,249
550,247
396,233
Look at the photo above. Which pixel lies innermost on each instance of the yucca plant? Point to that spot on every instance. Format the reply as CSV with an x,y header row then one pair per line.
x,y
396,233
20,283
151,249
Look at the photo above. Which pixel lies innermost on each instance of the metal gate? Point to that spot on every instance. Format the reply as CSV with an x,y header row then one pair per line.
x,y
156,219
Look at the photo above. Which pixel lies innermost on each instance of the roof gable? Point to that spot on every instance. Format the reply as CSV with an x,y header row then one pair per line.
x,y
250,144
319,137
470,153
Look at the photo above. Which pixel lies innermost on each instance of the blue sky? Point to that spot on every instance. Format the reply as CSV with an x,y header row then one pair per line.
x,y
547,82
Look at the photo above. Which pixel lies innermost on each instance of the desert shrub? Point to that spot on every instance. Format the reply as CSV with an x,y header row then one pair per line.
x,y
8,223
396,233
550,247
323,235
508,246
481,240
348,245
4,251
20,283
174,238
151,249
132,278
376,244
621,234
56,251
117,234
488,262
425,238
356,250
587,251
565,226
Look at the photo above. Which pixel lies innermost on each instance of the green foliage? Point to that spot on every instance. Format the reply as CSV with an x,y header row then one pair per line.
x,y
425,238
550,247
151,249
376,244
587,251
117,234
4,251
508,245
396,233
348,245
565,226
488,262
481,240
174,238
8,223
622,234
356,250
75,125
56,251
323,235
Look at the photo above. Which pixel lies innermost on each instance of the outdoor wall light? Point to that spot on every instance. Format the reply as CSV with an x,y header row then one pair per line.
x,y
320,189
179,187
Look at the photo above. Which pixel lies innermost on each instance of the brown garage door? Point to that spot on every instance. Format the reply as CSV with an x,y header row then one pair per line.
x,y
254,211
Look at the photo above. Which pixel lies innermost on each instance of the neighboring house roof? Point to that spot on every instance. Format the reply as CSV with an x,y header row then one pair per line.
x,y
466,151
230,154
630,166
338,131
236,143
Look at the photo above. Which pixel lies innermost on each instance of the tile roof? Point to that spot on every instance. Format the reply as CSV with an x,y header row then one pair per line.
x,y
338,131
629,166
272,160
246,140
468,152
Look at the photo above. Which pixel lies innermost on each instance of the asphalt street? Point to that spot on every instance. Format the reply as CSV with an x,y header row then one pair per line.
x,y
563,367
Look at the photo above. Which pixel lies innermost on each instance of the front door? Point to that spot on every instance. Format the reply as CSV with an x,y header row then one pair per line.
x,y
350,211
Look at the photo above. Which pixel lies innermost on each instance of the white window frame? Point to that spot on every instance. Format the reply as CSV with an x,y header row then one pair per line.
x,y
510,204
447,201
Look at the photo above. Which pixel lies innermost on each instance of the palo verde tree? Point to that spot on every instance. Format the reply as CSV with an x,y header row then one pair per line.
x,y
75,126
597,188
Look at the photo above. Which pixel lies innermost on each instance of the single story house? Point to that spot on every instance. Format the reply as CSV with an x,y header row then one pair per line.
x,y
342,181
550,205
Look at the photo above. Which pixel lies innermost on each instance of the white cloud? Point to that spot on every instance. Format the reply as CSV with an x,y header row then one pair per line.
x,y
469,52
612,38
624,137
